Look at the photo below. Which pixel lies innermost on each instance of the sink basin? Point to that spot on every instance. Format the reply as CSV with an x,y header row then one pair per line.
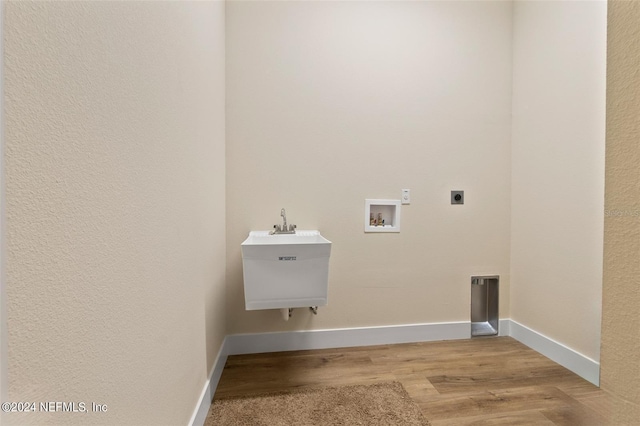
x,y
285,270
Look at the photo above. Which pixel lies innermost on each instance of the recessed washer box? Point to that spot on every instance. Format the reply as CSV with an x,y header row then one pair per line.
x,y
376,211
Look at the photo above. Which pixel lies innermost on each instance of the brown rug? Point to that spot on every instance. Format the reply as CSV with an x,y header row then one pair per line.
x,y
377,404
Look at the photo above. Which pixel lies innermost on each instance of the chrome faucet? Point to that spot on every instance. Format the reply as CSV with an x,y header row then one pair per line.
x,y
283,229
283,214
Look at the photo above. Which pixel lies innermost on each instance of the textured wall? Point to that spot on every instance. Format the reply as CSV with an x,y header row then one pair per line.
x,y
620,371
213,218
4,378
330,103
115,191
557,183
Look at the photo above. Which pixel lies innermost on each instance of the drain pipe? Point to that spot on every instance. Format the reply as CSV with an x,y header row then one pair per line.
x,y
286,313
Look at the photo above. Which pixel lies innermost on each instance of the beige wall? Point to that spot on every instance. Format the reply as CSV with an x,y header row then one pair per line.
x,y
620,371
557,183
330,103
115,214
214,180
116,184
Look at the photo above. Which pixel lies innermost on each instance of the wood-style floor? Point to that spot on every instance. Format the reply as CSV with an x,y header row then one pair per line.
x,y
481,381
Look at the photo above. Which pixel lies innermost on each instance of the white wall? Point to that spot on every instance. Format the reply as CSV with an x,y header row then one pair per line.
x,y
330,103
115,206
558,170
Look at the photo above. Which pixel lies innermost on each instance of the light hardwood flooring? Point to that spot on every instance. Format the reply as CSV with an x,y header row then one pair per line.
x,y
480,381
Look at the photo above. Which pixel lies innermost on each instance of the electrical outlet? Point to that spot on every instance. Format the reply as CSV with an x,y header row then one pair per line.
x,y
406,196
457,197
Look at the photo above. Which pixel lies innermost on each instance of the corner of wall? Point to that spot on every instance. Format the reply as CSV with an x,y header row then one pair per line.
x,y
557,196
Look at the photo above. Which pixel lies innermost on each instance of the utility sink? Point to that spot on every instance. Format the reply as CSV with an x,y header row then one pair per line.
x,y
285,270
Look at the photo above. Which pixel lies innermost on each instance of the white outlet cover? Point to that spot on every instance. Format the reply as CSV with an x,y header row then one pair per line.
x,y
406,196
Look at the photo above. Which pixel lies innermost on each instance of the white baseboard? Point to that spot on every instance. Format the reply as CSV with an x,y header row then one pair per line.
x,y
237,344
204,403
504,327
583,366
345,337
